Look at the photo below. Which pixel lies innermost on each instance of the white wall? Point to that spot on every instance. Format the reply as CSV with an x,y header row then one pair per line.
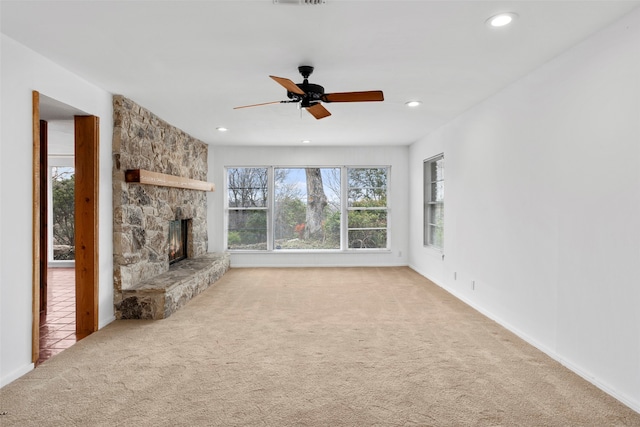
x,y
542,208
22,72
60,138
396,157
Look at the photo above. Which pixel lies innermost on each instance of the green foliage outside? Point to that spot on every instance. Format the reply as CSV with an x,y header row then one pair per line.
x,y
366,221
63,190
367,226
250,230
294,239
290,217
234,238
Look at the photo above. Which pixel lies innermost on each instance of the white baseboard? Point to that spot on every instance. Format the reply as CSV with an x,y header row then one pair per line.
x,y
105,323
315,265
628,401
7,379
12,376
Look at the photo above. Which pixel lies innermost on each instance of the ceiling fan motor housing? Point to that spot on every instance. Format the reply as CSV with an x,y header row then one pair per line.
x,y
312,92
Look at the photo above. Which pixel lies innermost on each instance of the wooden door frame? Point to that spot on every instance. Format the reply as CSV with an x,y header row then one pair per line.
x,y
86,143
87,149
44,216
35,268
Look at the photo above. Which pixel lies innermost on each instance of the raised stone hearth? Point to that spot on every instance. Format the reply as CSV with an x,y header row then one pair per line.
x,y
161,296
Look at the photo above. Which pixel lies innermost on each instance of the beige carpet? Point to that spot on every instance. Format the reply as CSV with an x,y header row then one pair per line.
x,y
309,347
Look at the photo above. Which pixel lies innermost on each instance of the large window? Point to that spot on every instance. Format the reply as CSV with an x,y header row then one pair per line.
x,y
248,202
434,202
367,213
62,209
301,208
307,208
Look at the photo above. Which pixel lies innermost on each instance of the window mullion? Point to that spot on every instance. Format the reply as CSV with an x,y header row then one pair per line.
x,y
344,214
271,186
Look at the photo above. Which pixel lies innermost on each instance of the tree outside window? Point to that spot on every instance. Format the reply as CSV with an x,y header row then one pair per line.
x,y
367,208
62,192
247,204
305,210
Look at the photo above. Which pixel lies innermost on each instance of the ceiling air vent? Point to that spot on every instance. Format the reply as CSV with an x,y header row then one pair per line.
x,y
299,1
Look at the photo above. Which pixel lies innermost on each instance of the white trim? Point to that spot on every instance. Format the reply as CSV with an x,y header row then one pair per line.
x,y
55,162
344,210
341,265
623,398
104,323
427,202
14,375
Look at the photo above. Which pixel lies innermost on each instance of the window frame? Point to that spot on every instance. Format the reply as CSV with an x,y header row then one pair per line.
x,y
430,200
272,224
266,207
58,161
348,209
270,207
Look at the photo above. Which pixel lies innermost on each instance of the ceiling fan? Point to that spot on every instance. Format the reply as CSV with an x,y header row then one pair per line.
x,y
310,95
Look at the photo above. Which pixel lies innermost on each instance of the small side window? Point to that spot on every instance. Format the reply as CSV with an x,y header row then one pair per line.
x,y
434,202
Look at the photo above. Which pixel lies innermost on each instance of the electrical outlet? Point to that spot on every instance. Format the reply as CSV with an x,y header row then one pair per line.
x,y
473,285
399,254
455,275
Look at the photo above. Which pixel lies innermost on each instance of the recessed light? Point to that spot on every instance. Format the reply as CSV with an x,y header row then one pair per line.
x,y
412,103
501,19
306,141
221,129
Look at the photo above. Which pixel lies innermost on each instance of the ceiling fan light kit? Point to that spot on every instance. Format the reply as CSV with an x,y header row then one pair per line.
x,y
309,96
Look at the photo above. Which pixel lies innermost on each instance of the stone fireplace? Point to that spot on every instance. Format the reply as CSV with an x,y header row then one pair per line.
x,y
178,240
144,214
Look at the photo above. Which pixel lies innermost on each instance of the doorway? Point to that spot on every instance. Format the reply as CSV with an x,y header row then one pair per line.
x,y
65,300
57,241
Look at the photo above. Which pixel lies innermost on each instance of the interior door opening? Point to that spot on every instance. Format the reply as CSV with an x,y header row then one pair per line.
x,y
65,226
57,275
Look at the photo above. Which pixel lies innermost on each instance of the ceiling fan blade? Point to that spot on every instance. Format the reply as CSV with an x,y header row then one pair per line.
x,y
288,85
257,105
372,95
318,111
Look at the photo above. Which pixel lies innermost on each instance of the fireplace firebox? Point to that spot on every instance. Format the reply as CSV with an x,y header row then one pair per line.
x,y
177,240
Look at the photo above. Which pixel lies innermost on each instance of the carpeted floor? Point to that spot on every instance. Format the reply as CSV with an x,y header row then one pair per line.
x,y
309,347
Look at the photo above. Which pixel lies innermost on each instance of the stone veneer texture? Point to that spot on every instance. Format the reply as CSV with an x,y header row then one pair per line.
x,y
141,213
163,295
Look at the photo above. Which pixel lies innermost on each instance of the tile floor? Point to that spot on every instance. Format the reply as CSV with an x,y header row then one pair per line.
x,y
58,328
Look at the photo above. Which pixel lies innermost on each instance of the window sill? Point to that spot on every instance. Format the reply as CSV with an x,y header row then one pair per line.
x,y
310,251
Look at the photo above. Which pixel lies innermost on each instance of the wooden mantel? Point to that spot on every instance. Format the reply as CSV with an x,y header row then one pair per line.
x,y
155,178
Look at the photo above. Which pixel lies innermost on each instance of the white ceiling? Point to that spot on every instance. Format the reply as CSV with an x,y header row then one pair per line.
x,y
191,62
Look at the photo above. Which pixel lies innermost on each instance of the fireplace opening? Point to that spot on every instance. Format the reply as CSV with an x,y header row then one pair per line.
x,y
177,240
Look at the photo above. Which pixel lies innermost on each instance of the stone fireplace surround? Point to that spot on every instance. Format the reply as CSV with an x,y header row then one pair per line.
x,y
144,284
